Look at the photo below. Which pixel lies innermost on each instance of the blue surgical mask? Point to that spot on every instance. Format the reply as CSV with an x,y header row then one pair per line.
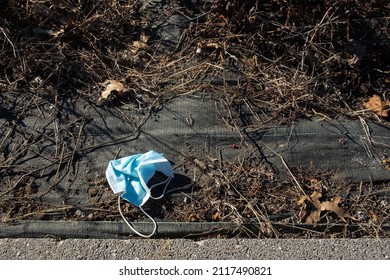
x,y
130,175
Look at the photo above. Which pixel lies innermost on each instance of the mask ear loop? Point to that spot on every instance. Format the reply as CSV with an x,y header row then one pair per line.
x,y
167,181
131,227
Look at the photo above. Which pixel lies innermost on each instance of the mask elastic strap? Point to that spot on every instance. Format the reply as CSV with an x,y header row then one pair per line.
x,y
167,181
131,227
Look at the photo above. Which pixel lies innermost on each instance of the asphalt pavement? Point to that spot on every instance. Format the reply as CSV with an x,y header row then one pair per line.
x,y
186,249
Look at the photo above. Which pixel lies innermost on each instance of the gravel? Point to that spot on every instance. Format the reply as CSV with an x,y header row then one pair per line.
x,y
182,249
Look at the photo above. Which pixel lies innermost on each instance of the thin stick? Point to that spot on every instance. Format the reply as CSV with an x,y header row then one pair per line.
x,y
289,171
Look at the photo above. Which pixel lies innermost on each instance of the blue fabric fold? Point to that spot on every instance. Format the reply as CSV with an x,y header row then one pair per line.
x,y
130,175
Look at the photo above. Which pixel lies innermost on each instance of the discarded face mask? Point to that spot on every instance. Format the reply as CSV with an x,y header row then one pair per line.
x,y
130,175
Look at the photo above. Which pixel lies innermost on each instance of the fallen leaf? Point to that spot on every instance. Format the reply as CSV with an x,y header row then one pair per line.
x,y
315,199
374,216
216,216
313,213
376,105
194,217
302,201
140,45
313,218
335,208
112,86
386,163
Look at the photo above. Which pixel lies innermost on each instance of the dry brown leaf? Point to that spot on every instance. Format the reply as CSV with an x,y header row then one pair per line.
x,y
386,163
194,217
315,215
374,216
112,86
376,105
313,218
302,201
216,216
315,198
140,45
335,208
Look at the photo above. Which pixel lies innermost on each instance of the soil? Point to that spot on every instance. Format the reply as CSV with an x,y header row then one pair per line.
x,y
268,63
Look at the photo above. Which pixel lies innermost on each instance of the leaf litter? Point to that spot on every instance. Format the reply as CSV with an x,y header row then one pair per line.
x,y
113,87
379,107
313,216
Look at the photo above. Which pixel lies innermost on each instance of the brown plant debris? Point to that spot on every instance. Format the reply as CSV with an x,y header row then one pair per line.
x,y
112,87
313,208
386,163
333,206
379,107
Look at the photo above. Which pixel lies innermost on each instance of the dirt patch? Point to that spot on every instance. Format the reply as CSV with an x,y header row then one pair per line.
x,y
266,64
